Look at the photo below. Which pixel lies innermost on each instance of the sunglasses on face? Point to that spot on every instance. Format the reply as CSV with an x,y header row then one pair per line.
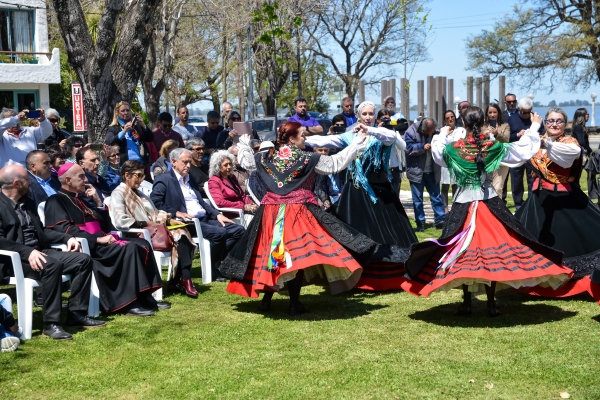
x,y
235,119
511,101
197,149
558,122
53,120
77,145
139,175
167,125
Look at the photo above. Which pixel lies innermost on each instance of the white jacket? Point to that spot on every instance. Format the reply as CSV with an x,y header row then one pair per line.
x,y
13,149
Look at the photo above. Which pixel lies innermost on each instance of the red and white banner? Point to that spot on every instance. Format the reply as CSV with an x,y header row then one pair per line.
x,y
79,120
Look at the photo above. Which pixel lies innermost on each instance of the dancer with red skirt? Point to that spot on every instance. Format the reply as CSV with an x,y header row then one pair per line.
x,y
290,239
482,246
559,214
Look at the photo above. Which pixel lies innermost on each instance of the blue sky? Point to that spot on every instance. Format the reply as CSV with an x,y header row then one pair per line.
x,y
453,22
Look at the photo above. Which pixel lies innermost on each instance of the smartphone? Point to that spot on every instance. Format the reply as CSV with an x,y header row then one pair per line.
x,y
338,129
493,123
243,128
33,114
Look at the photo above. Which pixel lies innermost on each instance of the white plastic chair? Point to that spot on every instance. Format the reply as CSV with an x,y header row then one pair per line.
x,y
146,188
241,220
204,246
94,305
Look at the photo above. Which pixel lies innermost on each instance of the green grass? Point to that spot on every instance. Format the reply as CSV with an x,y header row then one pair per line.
x,y
354,346
358,345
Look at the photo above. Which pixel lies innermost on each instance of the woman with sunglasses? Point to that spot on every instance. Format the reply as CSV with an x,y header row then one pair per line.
x,y
229,136
337,123
59,136
72,146
558,213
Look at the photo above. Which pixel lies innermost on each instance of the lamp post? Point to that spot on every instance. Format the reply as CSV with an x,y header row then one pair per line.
x,y
456,101
593,122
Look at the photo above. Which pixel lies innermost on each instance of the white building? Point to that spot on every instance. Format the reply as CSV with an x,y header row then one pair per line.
x,y
23,34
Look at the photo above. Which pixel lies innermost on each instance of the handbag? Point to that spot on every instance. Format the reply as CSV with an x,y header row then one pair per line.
x,y
162,240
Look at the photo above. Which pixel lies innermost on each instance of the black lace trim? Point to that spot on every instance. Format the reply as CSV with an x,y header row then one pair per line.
x,y
583,265
392,254
347,236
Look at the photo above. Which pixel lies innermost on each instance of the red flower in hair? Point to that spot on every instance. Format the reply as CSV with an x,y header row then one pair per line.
x,y
285,153
471,140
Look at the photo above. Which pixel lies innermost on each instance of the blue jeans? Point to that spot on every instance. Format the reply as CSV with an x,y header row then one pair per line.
x,y
433,188
5,303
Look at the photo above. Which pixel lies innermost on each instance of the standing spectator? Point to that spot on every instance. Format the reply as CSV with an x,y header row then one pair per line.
x,y
446,179
494,124
59,136
16,141
580,133
130,133
164,131
519,122
177,194
301,116
88,160
348,111
511,106
198,172
225,109
422,172
462,109
41,183
397,152
209,134
185,130
73,144
229,136
390,105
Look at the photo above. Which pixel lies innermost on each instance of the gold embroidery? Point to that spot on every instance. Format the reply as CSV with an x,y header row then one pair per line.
x,y
550,171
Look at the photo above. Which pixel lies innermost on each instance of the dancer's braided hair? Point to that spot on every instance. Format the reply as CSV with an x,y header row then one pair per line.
x,y
474,119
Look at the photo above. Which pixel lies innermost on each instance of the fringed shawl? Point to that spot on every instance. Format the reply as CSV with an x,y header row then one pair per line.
x,y
460,160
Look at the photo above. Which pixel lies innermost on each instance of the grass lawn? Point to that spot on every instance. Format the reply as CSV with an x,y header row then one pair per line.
x,y
353,346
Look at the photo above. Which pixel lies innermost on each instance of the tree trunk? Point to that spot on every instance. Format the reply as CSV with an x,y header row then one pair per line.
x,y
214,93
107,73
240,74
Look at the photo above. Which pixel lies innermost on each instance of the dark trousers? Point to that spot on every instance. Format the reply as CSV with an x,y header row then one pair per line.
x,y
516,180
185,252
396,179
59,263
221,238
505,189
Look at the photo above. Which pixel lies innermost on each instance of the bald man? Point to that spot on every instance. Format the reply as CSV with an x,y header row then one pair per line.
x,y
21,231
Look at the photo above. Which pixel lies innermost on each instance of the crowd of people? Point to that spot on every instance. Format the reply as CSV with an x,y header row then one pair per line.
x,y
317,207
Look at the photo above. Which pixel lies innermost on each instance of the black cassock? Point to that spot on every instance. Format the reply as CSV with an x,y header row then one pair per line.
x,y
122,272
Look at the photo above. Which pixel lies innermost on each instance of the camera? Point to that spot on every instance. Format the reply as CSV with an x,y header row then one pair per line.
x,y
338,129
399,125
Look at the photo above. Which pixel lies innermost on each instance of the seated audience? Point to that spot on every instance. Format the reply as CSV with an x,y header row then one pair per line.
x,y
125,270
9,329
18,141
224,186
198,171
88,160
21,231
59,136
130,208
109,167
164,131
163,164
242,175
130,133
177,194
42,183
73,144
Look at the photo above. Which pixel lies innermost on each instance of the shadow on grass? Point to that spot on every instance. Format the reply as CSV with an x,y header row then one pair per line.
x,y
515,314
321,306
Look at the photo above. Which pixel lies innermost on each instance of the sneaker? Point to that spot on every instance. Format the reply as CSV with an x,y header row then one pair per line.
x,y
9,343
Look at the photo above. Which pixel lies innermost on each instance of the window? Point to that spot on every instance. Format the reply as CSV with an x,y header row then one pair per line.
x,y
19,99
16,30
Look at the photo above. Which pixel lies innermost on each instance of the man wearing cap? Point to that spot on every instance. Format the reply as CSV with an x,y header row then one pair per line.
x,y
21,231
126,271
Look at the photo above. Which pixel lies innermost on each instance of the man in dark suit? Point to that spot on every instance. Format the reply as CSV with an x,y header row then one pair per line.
x,y
42,184
88,160
21,231
177,194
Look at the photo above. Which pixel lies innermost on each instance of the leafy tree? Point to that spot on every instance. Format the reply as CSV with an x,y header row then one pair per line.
x,y
316,78
553,42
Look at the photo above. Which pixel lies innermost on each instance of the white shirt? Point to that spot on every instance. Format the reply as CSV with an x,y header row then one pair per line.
x,y
14,149
192,205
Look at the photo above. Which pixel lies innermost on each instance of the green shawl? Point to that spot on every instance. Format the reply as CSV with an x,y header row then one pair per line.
x,y
460,159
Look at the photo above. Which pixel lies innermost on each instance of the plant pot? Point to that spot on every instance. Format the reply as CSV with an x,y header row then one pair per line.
x,y
31,62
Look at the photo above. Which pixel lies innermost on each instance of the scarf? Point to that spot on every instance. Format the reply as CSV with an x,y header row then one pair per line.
x,y
135,136
460,160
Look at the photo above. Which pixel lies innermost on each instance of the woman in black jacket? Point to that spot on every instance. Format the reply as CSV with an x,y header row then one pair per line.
x,y
581,134
131,135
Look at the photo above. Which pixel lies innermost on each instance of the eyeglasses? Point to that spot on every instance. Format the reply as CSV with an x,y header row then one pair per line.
x,y
77,145
113,155
167,125
339,124
557,122
197,149
511,101
52,120
139,175
235,119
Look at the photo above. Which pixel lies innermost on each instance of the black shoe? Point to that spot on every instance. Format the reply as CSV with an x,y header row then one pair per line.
x,y
221,280
297,308
150,303
56,332
38,302
420,228
136,310
464,310
493,311
265,304
175,287
79,319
